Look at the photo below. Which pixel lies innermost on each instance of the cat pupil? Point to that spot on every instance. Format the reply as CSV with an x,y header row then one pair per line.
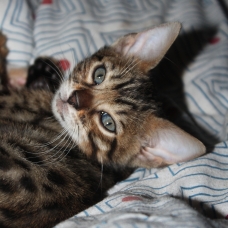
x,y
108,122
99,75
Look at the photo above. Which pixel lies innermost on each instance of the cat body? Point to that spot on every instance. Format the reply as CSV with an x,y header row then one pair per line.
x,y
43,179
60,155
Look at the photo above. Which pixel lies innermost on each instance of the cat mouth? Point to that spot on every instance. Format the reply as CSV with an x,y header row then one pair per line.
x,y
62,107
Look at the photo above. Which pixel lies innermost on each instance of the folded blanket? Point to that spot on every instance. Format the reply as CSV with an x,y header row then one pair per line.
x,y
187,194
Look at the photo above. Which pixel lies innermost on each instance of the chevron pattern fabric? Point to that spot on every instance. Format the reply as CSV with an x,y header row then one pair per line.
x,y
191,194
17,24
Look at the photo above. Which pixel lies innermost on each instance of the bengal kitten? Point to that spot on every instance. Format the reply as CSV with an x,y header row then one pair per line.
x,y
108,122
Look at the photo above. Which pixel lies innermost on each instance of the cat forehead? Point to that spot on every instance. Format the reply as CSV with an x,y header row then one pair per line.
x,y
118,69
105,55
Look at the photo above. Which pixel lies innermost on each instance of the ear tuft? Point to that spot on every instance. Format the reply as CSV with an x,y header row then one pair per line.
x,y
166,144
149,46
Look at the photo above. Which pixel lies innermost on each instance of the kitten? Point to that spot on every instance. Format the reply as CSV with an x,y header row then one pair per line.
x,y
109,121
108,106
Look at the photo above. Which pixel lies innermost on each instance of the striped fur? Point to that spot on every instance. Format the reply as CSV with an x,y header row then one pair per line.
x,y
117,83
127,94
107,121
44,176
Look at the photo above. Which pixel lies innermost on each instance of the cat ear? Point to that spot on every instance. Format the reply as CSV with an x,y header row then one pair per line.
x,y
167,144
149,46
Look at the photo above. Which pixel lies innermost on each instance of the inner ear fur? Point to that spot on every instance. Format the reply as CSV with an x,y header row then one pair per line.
x,y
148,46
163,143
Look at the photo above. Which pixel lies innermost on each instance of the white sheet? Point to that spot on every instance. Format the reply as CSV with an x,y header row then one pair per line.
x,y
179,195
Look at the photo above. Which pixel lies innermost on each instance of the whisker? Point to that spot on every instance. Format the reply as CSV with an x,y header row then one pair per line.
x,y
165,57
124,67
129,69
129,63
62,71
48,151
50,118
58,72
52,156
55,159
54,140
72,146
101,178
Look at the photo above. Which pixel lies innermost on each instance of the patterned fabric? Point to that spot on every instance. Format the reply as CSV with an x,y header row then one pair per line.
x,y
16,22
192,194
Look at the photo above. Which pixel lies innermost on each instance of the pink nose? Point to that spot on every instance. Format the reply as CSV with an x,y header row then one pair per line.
x,y
80,99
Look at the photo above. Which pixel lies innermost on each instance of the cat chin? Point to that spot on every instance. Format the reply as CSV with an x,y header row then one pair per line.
x,y
63,113
60,106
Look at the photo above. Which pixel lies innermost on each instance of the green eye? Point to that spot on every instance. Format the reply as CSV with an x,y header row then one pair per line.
x,y
108,122
99,75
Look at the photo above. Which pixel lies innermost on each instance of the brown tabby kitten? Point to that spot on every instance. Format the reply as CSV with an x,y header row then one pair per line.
x,y
107,105
108,117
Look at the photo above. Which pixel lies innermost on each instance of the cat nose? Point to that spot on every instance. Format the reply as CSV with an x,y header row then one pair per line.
x,y
73,100
80,99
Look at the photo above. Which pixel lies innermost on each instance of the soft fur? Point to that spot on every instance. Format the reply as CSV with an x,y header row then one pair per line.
x,y
108,120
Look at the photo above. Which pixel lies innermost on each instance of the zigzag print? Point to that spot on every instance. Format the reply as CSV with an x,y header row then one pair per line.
x,y
17,23
73,29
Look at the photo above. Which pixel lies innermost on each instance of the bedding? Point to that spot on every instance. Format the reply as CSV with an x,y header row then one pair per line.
x,y
191,194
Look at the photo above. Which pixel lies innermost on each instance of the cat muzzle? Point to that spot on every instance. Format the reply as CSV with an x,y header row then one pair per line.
x,y
80,99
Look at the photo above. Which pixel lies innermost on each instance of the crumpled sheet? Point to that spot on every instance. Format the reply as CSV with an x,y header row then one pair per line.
x,y
191,194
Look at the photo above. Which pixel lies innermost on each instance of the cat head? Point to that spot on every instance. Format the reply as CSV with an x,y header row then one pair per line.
x,y
107,104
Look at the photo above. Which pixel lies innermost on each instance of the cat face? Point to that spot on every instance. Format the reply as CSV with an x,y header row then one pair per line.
x,y
108,109
104,105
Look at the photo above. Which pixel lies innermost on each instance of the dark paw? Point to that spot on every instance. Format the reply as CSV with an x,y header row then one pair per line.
x,y
44,74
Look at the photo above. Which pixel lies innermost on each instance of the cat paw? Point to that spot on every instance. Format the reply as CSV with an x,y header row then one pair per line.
x,y
44,74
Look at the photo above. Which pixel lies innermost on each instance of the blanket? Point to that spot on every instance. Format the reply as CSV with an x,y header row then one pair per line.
x,y
190,194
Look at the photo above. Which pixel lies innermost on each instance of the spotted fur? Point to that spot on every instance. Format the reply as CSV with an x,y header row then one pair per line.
x,y
126,94
44,178
60,155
